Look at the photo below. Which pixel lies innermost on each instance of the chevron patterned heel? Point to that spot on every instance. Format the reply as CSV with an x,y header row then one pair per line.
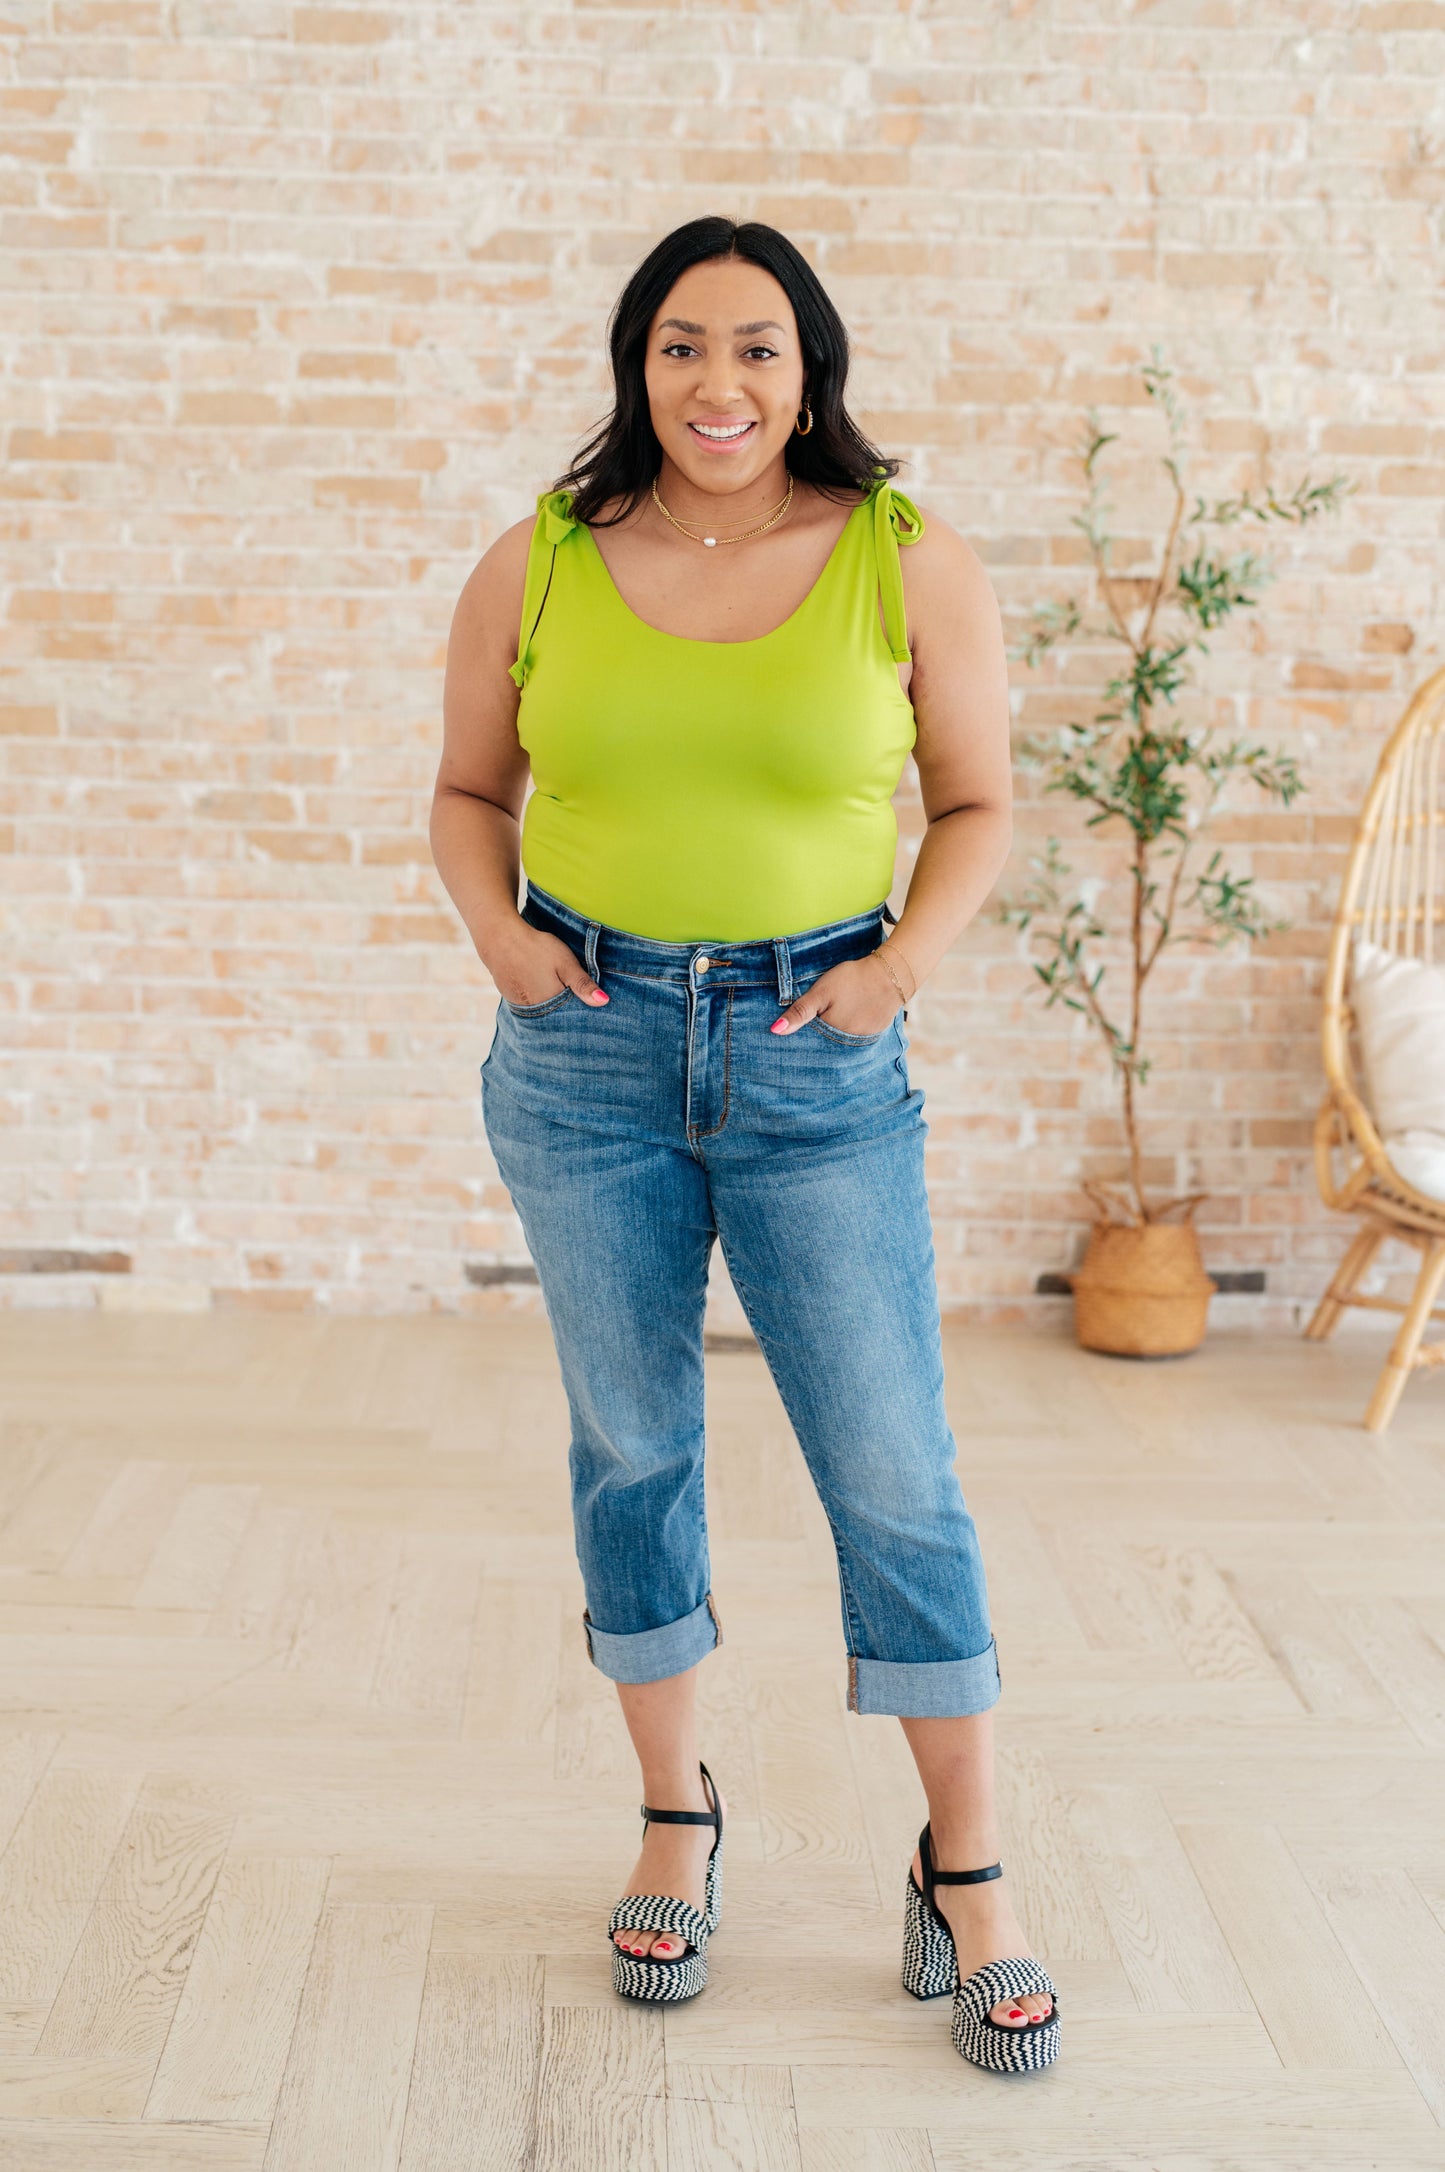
x,y
713,1903
641,1976
930,1967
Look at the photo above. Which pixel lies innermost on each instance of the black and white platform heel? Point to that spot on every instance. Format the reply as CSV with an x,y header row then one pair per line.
x,y
930,1968
683,1976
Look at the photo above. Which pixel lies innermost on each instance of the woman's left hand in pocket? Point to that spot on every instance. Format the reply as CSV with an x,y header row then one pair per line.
x,y
854,997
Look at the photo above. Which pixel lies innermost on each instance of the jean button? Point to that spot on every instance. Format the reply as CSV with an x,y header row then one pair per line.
x,y
703,964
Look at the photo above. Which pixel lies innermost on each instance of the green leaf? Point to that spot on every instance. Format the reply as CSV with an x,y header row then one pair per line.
x,y
1209,588
1049,623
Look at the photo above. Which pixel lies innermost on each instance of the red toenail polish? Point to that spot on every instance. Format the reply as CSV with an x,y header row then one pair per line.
x,y
1016,2013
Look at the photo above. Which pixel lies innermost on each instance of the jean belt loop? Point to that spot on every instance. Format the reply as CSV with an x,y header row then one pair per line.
x,y
594,930
784,958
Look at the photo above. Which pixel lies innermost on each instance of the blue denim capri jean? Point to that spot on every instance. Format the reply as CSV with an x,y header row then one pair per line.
x,y
630,1135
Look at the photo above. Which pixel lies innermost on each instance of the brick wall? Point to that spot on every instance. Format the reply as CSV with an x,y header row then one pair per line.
x,y
304,303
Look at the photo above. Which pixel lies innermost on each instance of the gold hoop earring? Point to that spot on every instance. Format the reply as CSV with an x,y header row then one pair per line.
x,y
804,410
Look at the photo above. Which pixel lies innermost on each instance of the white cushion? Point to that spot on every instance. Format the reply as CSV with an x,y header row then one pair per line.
x,y
1399,1005
1419,1156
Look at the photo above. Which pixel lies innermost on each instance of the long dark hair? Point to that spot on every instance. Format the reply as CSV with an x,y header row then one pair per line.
x,y
622,458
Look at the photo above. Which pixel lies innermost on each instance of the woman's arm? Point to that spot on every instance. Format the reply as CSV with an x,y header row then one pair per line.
x,y
482,783
959,690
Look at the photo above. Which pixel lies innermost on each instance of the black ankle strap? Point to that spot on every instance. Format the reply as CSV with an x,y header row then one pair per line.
x,y
932,1877
689,1817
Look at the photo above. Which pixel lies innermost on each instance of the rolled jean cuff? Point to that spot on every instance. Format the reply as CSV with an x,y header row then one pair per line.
x,y
939,1689
653,1654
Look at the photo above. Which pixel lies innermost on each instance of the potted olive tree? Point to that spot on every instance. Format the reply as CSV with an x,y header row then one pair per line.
x,y
1144,771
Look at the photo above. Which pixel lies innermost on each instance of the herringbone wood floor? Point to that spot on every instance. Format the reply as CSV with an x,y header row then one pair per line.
x,y
313,1807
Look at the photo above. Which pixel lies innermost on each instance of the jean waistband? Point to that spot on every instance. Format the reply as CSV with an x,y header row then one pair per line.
x,y
769,962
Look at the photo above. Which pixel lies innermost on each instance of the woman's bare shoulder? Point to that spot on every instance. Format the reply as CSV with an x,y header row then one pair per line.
x,y
943,563
502,566
490,603
940,544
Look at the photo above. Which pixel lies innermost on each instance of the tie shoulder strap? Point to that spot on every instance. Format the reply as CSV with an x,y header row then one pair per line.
x,y
553,526
554,515
896,519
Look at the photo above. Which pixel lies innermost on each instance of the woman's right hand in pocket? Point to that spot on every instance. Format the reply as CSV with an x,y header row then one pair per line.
x,y
537,966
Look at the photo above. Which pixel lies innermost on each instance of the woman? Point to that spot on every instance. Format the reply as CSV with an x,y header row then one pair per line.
x,y
708,651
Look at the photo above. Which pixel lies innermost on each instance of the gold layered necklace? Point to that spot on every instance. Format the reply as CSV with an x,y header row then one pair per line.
x,y
694,533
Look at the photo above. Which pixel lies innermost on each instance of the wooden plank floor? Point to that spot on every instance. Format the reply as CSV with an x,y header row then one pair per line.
x,y
312,1807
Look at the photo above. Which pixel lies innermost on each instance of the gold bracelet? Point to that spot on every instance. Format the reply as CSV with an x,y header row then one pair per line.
x,y
880,955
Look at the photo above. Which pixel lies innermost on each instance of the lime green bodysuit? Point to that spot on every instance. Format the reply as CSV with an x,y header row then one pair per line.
x,y
725,791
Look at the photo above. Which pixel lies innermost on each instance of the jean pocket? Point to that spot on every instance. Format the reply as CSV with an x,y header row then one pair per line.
x,y
850,1040
537,1010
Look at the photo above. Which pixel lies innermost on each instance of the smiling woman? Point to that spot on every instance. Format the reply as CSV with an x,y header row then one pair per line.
x,y
705,650
741,379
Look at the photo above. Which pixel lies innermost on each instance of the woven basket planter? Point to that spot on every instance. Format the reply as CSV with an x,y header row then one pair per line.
x,y
1142,1292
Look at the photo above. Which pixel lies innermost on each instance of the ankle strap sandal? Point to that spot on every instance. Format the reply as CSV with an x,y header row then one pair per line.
x,y
930,1969
685,1974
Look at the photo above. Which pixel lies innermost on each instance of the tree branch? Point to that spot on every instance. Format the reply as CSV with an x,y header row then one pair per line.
x,y
1170,542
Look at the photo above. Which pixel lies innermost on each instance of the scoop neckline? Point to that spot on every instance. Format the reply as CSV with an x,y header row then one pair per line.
x,y
695,641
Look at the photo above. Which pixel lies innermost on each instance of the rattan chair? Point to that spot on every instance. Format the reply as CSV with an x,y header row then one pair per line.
x,y
1393,895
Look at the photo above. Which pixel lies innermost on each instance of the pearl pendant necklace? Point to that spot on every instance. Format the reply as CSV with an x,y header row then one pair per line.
x,y
778,512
